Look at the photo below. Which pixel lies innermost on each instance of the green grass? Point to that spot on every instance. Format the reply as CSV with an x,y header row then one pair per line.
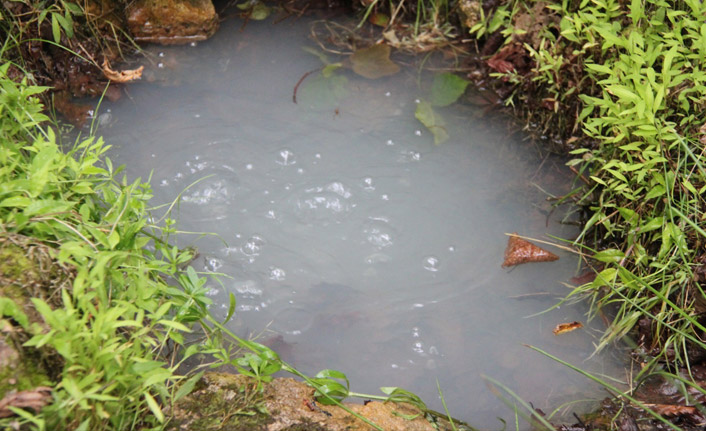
x,y
626,83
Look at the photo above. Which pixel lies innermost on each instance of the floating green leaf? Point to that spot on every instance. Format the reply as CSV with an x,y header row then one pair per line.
x,y
373,62
323,92
432,121
259,12
328,70
447,88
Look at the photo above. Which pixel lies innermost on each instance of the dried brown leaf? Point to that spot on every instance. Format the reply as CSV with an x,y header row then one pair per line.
x,y
33,399
373,62
520,251
563,328
122,76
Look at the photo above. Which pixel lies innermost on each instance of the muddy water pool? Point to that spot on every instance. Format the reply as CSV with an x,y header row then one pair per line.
x,y
345,234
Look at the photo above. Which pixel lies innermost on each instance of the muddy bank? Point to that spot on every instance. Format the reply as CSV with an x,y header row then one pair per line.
x,y
234,402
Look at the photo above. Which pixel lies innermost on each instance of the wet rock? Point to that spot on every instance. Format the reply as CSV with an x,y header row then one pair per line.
x,y
230,400
471,12
172,22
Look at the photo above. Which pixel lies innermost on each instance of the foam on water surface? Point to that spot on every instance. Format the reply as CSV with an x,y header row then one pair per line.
x,y
342,227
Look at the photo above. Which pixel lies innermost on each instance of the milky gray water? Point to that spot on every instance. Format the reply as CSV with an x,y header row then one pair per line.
x,y
346,235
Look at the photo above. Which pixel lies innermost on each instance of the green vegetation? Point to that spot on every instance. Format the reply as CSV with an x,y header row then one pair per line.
x,y
102,303
623,84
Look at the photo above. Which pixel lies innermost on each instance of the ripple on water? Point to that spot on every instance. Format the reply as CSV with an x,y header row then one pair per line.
x,y
293,321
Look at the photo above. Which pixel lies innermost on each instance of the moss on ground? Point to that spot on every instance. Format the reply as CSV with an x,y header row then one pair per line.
x,y
226,405
26,271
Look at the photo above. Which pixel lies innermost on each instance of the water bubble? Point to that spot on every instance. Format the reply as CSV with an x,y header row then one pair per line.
x,y
248,166
285,157
300,171
388,94
339,189
431,263
208,192
105,118
385,197
410,156
253,246
213,264
277,274
197,115
317,155
418,132
248,289
389,142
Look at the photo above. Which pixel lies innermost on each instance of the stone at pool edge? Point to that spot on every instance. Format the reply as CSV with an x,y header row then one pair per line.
x,y
172,22
217,396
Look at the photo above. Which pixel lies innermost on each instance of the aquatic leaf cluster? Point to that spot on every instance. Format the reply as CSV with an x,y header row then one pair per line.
x,y
446,89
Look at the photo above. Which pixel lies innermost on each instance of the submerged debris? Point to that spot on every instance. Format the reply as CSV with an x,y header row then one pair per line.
x,y
563,328
521,251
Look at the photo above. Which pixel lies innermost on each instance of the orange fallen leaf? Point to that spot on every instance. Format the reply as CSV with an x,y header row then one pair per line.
x,y
567,327
122,76
520,251
670,410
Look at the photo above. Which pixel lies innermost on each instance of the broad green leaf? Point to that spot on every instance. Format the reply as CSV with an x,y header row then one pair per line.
x,y
373,62
8,308
655,192
447,88
609,255
432,121
321,92
16,202
55,28
113,239
187,386
231,307
154,407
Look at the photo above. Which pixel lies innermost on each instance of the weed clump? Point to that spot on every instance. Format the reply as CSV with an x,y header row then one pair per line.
x,y
621,86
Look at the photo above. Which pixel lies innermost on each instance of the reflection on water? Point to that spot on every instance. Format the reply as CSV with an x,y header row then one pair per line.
x,y
343,229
